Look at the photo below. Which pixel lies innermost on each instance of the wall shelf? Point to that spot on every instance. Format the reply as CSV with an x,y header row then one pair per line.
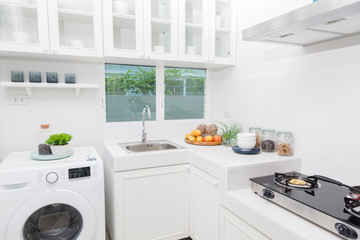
x,y
29,86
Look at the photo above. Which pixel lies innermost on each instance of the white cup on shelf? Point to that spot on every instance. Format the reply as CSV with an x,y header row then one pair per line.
x,y
121,6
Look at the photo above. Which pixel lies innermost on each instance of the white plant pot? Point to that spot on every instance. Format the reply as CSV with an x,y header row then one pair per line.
x,y
60,149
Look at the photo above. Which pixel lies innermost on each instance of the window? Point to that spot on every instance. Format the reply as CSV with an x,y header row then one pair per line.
x,y
184,93
128,88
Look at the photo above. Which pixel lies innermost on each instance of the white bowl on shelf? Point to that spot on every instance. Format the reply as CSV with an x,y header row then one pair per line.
x,y
159,48
121,6
77,43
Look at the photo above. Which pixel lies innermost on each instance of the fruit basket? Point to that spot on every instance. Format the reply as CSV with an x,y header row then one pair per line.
x,y
203,143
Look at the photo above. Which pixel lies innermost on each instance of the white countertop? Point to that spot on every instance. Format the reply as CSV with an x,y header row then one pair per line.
x,y
268,217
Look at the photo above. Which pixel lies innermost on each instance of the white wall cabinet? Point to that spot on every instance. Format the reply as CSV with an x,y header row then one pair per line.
x,y
151,203
161,29
198,31
123,28
207,31
24,26
194,30
222,46
234,228
204,206
63,27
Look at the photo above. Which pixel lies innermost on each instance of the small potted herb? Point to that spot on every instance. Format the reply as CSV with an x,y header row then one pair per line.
x,y
229,133
59,143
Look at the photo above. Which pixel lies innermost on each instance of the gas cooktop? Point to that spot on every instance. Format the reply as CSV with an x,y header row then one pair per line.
x,y
326,202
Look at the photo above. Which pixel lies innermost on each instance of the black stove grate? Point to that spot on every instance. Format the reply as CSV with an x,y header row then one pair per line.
x,y
285,181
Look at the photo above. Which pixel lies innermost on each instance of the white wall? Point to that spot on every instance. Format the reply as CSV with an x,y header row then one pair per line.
x,y
82,117
312,91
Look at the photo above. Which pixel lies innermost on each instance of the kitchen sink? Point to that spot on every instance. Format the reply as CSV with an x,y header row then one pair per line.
x,y
159,145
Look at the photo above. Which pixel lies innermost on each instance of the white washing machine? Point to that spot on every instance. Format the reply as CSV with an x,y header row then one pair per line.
x,y
52,200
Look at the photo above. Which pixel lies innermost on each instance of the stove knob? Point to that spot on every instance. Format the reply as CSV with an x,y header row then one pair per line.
x,y
267,193
52,177
346,231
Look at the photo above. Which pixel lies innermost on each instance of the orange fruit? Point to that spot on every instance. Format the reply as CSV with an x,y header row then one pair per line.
x,y
208,138
187,135
192,138
196,132
217,138
199,139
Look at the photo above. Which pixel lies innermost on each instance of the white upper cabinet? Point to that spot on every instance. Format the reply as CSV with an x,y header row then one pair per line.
x,y
161,29
75,27
23,26
123,28
64,27
194,30
223,31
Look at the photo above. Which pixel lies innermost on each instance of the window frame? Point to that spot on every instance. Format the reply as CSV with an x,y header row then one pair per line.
x,y
160,95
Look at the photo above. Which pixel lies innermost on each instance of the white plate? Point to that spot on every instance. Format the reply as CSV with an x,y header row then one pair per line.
x,y
36,156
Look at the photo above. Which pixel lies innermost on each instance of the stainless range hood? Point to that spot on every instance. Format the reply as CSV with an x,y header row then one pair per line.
x,y
320,21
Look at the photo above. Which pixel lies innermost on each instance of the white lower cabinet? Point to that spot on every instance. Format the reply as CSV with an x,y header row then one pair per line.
x,y
152,203
234,228
204,206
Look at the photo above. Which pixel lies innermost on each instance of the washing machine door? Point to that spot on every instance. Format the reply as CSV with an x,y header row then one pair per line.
x,y
55,215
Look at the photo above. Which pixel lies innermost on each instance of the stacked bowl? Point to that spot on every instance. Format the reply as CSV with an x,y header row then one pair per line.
x,y
246,141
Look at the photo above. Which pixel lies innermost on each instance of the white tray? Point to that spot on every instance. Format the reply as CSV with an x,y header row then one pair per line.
x,y
36,156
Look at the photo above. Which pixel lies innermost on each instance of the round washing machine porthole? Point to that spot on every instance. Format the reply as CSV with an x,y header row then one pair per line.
x,y
55,221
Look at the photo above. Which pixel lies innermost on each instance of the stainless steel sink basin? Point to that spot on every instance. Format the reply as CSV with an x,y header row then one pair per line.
x,y
159,145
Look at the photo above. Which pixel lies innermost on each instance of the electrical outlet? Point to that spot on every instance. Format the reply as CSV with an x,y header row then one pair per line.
x,y
19,100
226,114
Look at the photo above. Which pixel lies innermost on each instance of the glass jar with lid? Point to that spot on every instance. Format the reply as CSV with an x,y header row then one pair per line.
x,y
268,140
257,131
285,145
42,136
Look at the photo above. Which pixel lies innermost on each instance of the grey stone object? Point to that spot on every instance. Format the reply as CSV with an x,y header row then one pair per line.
x,y
17,76
35,77
52,77
70,78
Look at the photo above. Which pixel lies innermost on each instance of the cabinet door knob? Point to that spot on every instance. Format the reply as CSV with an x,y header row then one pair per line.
x,y
147,55
55,50
215,183
140,54
45,49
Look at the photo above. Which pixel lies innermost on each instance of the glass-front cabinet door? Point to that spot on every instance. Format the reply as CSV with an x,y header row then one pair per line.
x,y
223,31
161,29
123,28
23,26
75,27
194,30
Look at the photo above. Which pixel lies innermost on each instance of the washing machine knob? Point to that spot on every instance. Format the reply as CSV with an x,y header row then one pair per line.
x,y
52,177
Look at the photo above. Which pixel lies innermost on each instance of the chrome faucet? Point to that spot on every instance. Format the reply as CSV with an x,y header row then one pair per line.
x,y
143,122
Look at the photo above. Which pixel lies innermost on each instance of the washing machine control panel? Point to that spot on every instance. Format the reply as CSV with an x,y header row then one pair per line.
x,y
82,172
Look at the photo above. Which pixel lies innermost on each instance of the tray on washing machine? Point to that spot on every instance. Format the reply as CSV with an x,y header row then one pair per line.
x,y
36,156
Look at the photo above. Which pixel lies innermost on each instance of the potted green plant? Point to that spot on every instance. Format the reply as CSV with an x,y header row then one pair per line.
x,y
229,132
59,143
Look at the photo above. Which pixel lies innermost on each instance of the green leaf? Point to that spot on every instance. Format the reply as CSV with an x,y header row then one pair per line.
x,y
59,139
229,132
